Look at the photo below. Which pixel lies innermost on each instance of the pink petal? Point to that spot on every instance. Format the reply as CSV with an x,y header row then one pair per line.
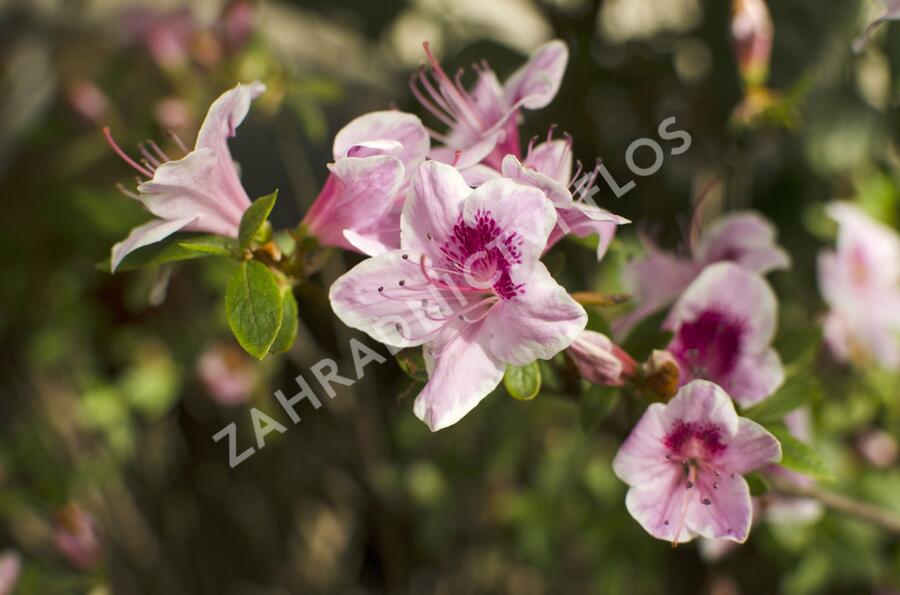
x,y
515,208
751,448
703,402
479,174
379,297
659,508
756,376
556,191
462,375
391,125
641,460
552,158
224,116
745,238
730,513
536,83
359,192
432,209
194,186
537,324
592,354
144,235
583,221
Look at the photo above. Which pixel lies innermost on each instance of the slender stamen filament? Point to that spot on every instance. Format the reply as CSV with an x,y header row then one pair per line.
x,y
140,169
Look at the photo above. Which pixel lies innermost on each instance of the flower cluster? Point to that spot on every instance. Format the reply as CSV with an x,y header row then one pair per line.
x,y
453,226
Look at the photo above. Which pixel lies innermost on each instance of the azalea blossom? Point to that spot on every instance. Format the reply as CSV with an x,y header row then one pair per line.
x,y
860,281
199,192
375,157
656,280
466,284
548,166
599,360
483,123
684,464
723,326
891,13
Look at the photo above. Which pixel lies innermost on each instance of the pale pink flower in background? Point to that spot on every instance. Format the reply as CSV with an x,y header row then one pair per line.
x,y
87,100
77,538
199,192
10,568
684,464
723,327
879,448
891,13
860,282
467,284
599,360
227,374
483,123
751,34
173,113
657,279
375,157
166,36
548,166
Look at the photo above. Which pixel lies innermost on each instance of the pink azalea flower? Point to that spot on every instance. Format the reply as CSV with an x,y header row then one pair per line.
x,y
199,192
10,568
684,464
375,157
483,123
751,34
724,324
467,285
77,538
891,13
599,360
167,36
861,284
656,280
228,375
548,166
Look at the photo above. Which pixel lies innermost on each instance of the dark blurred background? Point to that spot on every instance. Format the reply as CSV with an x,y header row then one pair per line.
x,y
113,385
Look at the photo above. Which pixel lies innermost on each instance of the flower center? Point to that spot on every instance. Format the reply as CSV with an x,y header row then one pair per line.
x,y
484,255
710,345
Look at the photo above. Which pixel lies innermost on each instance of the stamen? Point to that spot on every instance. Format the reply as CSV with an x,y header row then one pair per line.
x,y
127,192
123,155
177,140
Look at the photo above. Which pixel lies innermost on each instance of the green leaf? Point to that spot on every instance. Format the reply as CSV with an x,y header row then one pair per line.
x,y
798,390
254,307
212,245
167,250
758,484
289,322
523,382
800,457
253,219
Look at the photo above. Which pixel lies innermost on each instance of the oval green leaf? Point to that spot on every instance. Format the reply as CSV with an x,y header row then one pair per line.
x,y
289,322
523,382
253,304
254,217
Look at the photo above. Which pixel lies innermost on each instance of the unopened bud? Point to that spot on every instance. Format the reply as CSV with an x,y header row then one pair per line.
x,y
661,375
751,34
599,360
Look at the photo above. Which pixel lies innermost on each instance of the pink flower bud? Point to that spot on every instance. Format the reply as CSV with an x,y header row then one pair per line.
x,y
751,33
77,538
599,360
227,374
10,567
879,448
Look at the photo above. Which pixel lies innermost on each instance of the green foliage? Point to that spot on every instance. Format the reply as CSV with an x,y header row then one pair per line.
x,y
799,456
523,382
171,249
290,320
799,389
254,218
253,305
212,245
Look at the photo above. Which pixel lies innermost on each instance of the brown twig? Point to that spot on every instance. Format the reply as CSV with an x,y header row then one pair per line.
x,y
885,519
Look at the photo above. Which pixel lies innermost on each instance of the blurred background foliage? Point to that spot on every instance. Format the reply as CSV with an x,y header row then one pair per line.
x,y
112,386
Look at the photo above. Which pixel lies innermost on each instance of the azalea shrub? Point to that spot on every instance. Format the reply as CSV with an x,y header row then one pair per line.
x,y
616,309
